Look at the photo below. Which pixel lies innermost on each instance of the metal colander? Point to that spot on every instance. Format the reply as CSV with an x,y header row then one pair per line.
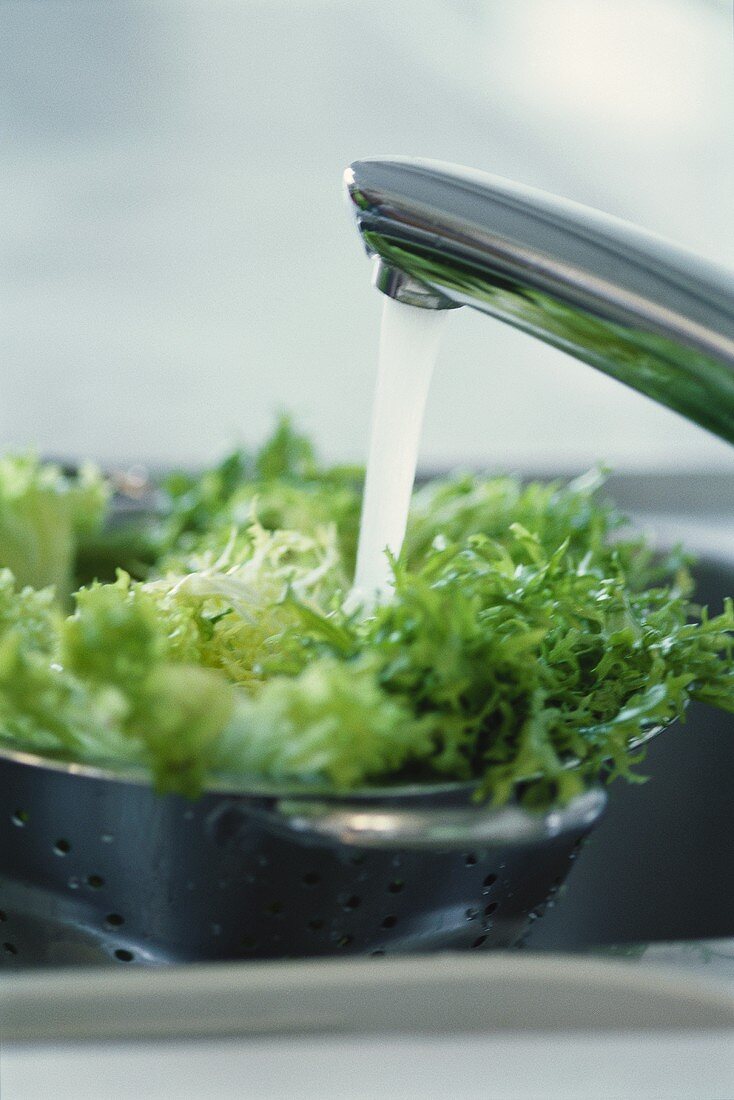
x,y
96,868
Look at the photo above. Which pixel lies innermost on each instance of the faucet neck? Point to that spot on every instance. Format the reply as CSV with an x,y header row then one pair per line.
x,y
634,306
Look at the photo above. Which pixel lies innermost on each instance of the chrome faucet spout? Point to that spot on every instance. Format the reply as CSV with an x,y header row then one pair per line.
x,y
636,307
397,284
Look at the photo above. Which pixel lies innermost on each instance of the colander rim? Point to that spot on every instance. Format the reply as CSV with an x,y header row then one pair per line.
x,y
137,775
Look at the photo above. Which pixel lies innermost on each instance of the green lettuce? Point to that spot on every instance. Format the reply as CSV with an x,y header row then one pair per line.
x,y
332,723
43,514
531,639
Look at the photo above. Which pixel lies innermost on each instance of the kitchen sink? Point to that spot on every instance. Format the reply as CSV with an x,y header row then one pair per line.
x,y
656,871
657,868
659,865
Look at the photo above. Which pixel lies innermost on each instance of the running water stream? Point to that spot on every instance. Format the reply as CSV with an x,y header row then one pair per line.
x,y
409,343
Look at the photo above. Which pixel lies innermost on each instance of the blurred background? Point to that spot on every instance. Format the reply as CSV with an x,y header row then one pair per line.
x,y
177,263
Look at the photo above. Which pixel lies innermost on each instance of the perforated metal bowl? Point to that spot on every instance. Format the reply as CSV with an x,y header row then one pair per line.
x,y
97,868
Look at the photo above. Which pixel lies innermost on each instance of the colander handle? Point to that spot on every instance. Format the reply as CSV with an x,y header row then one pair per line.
x,y
433,828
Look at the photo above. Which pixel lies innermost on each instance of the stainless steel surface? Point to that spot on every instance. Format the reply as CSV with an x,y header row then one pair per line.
x,y
658,868
449,993
95,869
632,305
397,284
432,829
321,800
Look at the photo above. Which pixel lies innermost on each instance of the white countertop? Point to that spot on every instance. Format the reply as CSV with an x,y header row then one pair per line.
x,y
510,1065
507,1025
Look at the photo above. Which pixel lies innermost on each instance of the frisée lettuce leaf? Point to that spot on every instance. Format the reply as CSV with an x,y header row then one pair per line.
x,y
532,639
43,514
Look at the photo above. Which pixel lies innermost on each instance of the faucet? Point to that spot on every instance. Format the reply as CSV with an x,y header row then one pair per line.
x,y
634,306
